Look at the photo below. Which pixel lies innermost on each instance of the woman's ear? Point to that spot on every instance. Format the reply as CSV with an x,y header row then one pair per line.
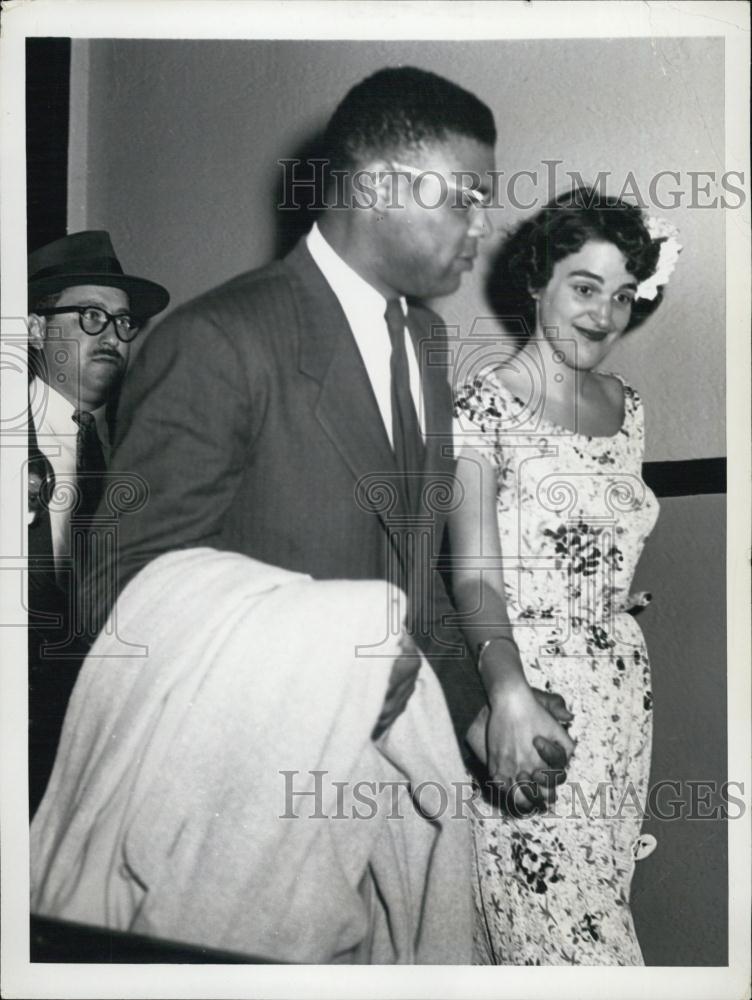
x,y
37,331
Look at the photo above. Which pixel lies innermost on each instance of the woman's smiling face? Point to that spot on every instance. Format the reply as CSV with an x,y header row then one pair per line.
x,y
587,304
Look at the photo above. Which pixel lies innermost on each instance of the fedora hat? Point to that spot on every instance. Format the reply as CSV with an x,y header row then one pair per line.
x,y
88,258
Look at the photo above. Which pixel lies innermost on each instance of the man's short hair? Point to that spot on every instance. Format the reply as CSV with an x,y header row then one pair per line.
x,y
400,108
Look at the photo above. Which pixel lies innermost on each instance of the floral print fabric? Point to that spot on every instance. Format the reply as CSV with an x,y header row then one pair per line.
x,y
573,515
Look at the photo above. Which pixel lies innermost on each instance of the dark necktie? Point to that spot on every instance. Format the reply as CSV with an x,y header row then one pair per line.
x,y
90,465
406,436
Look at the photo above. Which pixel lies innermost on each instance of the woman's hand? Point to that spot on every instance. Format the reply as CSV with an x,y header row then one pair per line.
x,y
515,720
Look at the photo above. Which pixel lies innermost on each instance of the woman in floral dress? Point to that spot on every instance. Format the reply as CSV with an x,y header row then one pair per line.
x,y
554,518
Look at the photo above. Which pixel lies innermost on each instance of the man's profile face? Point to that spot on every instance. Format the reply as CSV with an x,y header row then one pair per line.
x,y
428,244
85,369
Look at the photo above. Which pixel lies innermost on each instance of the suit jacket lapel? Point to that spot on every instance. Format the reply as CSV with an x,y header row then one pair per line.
x,y
46,600
40,529
346,407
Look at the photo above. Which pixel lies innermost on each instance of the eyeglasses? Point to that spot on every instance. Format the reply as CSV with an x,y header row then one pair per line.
x,y
94,320
467,197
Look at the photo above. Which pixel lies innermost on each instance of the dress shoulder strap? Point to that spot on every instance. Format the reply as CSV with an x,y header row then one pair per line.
x,y
633,425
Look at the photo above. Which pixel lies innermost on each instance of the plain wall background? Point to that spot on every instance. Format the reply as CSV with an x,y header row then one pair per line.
x,y
679,897
174,149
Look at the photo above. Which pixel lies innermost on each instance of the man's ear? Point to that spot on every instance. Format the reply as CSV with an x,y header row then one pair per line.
x,y
380,185
37,331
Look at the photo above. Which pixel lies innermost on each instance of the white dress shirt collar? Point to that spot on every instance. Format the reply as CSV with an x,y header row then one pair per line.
x,y
54,414
55,411
365,309
354,293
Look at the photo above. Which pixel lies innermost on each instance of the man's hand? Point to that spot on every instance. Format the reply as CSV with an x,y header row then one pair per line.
x,y
539,787
554,704
401,686
536,789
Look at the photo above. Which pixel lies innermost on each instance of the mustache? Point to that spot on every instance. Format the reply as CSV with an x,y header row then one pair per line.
x,y
106,352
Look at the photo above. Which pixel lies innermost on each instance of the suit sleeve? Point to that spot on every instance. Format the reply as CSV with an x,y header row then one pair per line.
x,y
184,426
445,646
457,672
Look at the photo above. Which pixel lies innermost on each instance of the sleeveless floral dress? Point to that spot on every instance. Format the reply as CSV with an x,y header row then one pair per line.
x,y
573,515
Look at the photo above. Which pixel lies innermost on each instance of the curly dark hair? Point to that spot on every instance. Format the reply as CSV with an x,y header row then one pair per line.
x,y
402,107
527,257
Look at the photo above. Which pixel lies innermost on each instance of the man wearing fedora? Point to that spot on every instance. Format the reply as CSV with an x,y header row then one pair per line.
x,y
84,313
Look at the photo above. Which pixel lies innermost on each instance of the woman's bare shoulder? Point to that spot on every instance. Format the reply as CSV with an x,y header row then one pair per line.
x,y
612,386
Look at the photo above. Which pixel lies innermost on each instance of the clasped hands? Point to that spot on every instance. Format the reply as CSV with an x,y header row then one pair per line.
x,y
520,737
522,740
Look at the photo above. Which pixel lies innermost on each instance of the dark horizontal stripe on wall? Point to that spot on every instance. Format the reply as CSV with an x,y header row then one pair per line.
x,y
686,479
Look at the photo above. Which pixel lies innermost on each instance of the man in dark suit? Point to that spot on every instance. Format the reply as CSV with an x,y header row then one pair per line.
x,y
301,414
83,314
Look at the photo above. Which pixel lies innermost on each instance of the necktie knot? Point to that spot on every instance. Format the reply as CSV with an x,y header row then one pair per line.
x,y
395,320
84,419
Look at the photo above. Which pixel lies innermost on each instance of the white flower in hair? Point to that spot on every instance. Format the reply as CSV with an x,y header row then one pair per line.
x,y
662,230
